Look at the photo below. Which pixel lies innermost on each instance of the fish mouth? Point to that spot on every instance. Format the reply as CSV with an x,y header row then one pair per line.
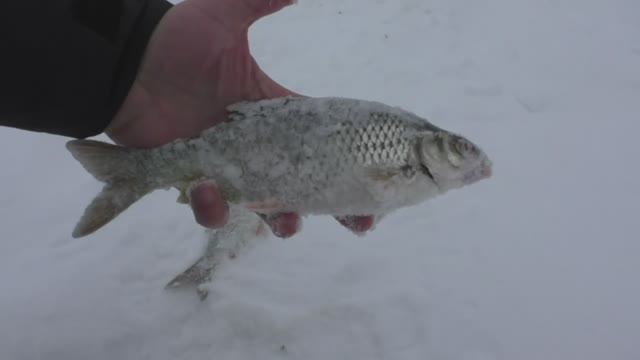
x,y
485,171
487,168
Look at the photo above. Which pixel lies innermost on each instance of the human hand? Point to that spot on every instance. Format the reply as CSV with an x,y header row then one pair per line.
x,y
196,63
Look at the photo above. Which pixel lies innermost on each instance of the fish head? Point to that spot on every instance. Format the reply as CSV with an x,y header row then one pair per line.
x,y
452,161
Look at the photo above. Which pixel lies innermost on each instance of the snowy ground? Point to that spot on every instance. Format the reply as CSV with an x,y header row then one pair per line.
x,y
541,262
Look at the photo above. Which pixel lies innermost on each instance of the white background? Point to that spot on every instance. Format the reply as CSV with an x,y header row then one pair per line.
x,y
540,262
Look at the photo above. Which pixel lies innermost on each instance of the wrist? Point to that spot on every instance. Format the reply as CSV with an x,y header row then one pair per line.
x,y
132,54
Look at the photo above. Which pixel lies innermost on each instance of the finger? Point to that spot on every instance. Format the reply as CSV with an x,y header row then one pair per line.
x,y
358,224
209,208
283,225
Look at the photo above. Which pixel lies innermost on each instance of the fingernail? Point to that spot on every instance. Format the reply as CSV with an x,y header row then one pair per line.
x,y
208,207
357,224
284,225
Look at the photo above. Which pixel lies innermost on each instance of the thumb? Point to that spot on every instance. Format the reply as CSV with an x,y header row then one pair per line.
x,y
261,8
242,12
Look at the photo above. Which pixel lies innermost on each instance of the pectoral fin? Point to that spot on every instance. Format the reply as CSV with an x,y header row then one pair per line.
x,y
382,174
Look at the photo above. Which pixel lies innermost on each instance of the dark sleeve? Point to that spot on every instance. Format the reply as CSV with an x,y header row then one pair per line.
x,y
67,65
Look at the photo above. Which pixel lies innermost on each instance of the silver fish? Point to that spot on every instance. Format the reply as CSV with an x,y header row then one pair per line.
x,y
331,156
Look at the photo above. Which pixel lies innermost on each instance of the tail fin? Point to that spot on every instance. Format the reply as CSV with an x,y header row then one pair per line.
x,y
117,167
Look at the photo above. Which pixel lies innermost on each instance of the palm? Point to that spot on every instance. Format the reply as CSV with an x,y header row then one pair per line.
x,y
196,64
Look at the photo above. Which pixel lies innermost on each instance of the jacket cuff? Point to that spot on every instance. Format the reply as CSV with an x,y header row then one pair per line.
x,y
133,50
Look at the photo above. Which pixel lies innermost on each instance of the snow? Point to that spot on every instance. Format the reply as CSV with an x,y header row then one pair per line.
x,y
540,262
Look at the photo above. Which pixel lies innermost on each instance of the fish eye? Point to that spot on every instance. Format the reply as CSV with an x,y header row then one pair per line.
x,y
463,146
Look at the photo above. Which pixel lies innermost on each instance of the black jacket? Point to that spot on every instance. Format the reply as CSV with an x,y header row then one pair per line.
x,y
67,65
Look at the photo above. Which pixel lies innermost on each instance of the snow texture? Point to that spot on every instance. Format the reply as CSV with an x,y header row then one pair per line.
x,y
539,262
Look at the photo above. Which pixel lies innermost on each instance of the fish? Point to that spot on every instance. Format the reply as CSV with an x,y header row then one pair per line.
x,y
313,156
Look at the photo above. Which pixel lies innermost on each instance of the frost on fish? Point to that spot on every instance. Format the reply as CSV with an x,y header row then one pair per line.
x,y
324,156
